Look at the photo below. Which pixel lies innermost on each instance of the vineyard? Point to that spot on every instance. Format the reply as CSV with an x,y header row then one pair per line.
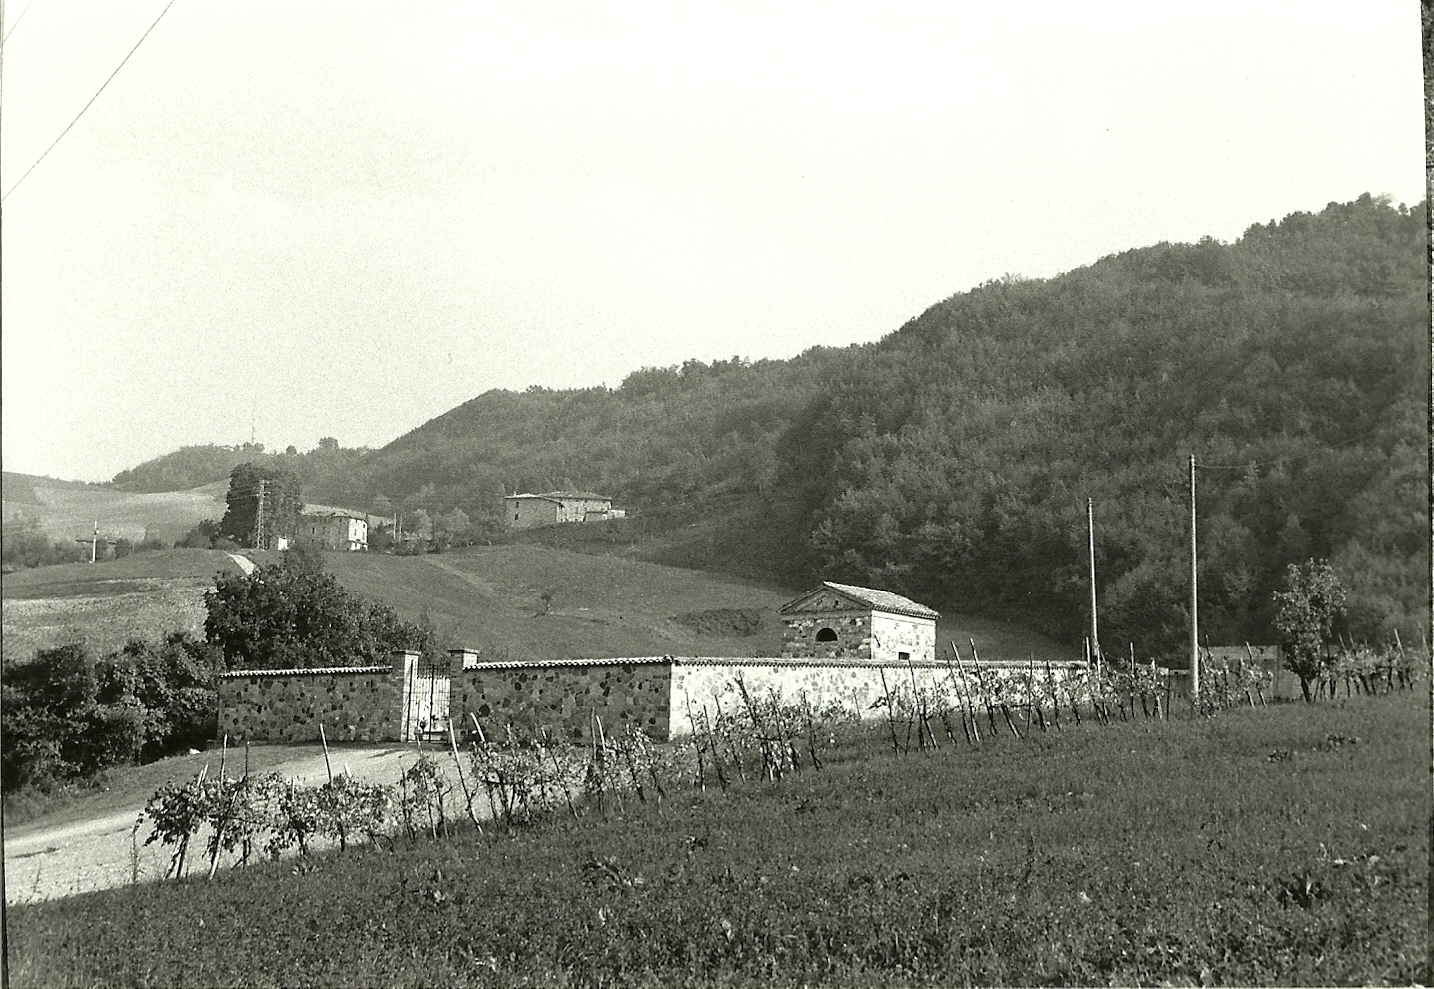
x,y
508,778
1094,829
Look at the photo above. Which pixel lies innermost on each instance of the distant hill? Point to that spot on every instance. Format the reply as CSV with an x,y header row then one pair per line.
x,y
324,469
953,459
68,510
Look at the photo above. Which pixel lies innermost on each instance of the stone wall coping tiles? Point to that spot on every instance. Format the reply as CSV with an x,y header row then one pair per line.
x,y
315,671
813,661
539,664
819,661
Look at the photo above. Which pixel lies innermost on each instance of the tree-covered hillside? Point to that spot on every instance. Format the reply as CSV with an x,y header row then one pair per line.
x,y
956,458
328,467
953,459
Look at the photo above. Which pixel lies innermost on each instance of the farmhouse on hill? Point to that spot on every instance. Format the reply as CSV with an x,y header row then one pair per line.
x,y
841,621
333,530
526,511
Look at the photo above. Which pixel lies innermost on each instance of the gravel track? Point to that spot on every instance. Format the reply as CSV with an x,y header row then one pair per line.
x,y
50,860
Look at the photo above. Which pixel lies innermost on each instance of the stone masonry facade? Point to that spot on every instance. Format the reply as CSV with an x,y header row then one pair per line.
x,y
564,695
354,704
661,695
849,631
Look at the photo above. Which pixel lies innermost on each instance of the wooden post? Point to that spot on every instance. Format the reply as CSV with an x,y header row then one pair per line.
x,y
462,780
328,768
962,703
890,714
970,704
1194,595
1403,662
1090,531
1031,692
985,689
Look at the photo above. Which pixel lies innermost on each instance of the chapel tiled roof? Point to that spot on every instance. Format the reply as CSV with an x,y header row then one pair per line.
x,y
882,600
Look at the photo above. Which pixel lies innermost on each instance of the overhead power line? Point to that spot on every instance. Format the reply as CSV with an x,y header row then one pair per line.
x,y
92,98
17,23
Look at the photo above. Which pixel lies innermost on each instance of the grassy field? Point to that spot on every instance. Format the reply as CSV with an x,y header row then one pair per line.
x,y
605,605
69,510
141,596
489,597
1274,846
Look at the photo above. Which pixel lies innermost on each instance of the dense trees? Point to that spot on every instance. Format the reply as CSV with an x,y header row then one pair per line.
x,y
263,502
70,714
294,614
1288,363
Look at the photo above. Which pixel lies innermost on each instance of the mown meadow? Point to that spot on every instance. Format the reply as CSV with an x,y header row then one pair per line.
x,y
1257,845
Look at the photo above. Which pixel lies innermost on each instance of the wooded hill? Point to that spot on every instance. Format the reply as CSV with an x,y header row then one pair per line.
x,y
952,460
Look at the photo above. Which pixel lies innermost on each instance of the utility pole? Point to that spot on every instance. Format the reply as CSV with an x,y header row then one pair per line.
x,y
1194,595
95,542
259,517
1090,528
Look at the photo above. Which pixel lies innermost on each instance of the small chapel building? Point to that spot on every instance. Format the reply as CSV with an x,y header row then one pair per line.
x,y
844,622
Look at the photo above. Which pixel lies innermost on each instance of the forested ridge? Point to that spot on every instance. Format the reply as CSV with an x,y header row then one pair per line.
x,y
952,460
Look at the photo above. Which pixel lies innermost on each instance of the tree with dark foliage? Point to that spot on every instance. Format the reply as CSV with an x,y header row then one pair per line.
x,y
1305,613
69,715
294,614
254,485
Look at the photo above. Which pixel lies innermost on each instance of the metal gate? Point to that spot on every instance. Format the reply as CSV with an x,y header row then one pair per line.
x,y
427,714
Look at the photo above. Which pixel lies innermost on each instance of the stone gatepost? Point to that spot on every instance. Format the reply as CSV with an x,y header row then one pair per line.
x,y
405,672
462,659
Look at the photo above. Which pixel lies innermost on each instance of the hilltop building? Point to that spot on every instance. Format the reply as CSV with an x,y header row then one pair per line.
x,y
333,530
841,621
526,511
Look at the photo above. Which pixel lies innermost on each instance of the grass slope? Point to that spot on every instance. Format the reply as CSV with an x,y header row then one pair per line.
x,y
488,597
141,596
1242,849
69,510
605,605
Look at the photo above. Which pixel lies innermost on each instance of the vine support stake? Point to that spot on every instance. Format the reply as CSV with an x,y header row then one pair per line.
x,y
328,767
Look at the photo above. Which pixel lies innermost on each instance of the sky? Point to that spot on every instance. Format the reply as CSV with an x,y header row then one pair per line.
x,y
295,220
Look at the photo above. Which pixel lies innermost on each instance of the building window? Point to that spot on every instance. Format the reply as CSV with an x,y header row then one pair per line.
x,y
826,635
903,657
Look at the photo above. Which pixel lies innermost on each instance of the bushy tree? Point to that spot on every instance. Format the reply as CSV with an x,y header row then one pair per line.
x,y
293,614
280,492
69,714
1305,612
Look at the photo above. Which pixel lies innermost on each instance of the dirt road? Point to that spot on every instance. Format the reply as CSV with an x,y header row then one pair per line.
x,y
46,861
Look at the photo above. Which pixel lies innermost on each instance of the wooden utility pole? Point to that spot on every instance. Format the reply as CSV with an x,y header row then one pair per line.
x,y
1090,528
1194,595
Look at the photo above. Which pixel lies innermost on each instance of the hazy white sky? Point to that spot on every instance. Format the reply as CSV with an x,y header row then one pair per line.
x,y
347,218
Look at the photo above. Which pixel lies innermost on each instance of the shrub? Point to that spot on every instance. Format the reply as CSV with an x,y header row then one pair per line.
x,y
69,715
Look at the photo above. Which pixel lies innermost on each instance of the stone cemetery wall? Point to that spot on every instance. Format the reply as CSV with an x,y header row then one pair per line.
x,y
354,704
563,695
